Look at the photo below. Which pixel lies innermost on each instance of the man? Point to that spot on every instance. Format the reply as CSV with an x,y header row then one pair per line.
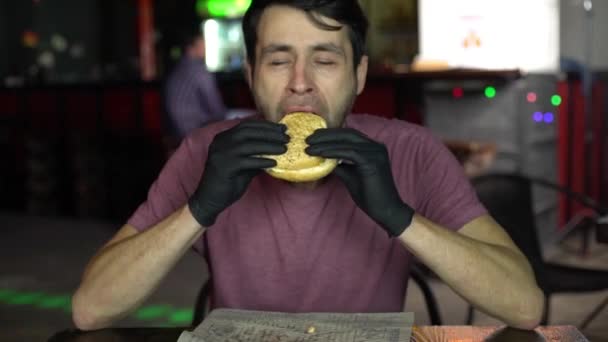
x,y
192,98
342,244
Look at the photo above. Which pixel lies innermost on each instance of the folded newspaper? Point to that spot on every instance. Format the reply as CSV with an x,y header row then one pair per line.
x,y
244,326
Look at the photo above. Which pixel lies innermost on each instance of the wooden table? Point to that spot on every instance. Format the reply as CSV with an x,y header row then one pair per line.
x,y
496,334
420,334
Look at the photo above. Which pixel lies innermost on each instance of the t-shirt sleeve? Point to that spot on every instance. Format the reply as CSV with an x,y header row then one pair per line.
x,y
444,193
174,185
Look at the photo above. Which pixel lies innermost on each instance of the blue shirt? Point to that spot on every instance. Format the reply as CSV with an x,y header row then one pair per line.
x,y
192,97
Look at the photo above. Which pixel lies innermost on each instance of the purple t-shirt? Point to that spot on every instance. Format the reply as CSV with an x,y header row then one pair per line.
x,y
284,249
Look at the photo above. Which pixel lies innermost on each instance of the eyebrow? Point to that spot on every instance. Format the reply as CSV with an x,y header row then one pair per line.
x,y
322,47
329,47
276,48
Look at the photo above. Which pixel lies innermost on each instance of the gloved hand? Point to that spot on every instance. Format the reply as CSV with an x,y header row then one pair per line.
x,y
232,161
366,172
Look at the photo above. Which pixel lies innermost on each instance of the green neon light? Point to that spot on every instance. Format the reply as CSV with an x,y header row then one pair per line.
x,y
222,8
181,316
490,92
152,312
6,293
168,315
27,298
556,100
55,302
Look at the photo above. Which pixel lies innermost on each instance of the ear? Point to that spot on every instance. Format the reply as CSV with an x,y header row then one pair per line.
x,y
361,74
248,76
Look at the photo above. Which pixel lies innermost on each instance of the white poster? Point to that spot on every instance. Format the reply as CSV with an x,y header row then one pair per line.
x,y
491,34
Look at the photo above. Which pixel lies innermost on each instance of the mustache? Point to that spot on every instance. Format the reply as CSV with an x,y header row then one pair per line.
x,y
310,101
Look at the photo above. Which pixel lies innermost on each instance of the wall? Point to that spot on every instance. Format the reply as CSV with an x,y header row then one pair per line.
x,y
15,18
78,41
573,31
523,145
4,64
393,32
118,39
69,32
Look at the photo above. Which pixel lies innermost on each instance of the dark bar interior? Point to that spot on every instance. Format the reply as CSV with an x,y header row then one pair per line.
x,y
517,92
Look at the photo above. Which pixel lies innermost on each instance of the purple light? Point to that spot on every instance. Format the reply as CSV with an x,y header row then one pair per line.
x,y
549,117
538,117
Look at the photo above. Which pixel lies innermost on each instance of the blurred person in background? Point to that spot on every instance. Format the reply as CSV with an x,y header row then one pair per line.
x,y
192,98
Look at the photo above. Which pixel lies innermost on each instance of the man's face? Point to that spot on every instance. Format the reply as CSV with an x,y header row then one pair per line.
x,y
301,67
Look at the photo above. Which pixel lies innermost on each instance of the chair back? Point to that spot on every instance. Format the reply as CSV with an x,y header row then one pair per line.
x,y
508,198
200,307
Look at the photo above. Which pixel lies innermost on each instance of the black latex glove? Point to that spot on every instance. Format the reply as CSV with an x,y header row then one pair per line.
x,y
232,161
366,172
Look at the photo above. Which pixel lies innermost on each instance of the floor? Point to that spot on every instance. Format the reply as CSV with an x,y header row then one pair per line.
x,y
41,261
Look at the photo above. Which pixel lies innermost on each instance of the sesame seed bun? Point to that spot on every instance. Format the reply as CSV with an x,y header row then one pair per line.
x,y
295,165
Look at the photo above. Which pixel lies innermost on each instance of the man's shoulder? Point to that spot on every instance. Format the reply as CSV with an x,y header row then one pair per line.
x,y
207,132
189,69
377,127
196,143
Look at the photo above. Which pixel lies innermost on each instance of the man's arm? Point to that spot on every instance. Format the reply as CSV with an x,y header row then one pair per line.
x,y
483,265
128,268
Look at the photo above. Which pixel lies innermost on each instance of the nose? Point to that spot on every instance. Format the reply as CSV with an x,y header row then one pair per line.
x,y
301,81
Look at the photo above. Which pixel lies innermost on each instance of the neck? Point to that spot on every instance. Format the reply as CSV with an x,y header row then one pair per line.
x,y
308,185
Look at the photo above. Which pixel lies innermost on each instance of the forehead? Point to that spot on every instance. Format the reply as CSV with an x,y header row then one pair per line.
x,y
286,25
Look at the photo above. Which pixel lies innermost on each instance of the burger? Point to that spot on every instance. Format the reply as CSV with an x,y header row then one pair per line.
x,y
296,165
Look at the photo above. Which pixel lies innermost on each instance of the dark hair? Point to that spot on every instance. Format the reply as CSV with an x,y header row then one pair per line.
x,y
346,12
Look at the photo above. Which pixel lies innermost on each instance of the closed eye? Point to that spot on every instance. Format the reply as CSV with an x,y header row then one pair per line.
x,y
278,62
325,62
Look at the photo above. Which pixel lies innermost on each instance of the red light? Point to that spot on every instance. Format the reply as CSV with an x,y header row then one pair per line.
x,y
531,97
457,92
